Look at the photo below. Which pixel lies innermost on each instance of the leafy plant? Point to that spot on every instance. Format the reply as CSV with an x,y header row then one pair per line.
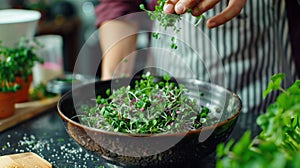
x,y
7,73
7,78
166,20
149,107
277,145
22,58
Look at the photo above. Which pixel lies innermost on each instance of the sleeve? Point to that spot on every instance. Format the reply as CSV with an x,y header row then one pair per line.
x,y
112,9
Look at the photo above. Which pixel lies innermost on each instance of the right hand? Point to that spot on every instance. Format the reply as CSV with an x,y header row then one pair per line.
x,y
200,6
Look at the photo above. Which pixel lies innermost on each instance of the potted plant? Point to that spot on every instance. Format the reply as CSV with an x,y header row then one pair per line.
x,y
24,58
8,86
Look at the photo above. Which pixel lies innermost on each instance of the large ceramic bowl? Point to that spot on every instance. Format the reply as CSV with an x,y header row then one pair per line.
x,y
17,23
152,150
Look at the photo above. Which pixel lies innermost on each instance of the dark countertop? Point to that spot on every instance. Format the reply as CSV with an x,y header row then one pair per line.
x,y
46,136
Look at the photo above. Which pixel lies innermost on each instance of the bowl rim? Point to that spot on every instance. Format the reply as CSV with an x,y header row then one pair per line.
x,y
34,15
206,128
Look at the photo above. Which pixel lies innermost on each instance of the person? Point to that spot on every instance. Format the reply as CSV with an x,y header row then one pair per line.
x,y
248,43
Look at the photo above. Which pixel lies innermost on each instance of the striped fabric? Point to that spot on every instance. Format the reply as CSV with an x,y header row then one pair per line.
x,y
241,55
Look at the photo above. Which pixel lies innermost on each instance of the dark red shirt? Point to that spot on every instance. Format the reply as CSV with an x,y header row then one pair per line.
x,y
112,9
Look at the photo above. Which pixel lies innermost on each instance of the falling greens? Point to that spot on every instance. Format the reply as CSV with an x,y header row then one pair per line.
x,y
166,20
277,145
147,108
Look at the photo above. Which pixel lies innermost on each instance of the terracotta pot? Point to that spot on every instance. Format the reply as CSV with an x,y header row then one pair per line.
x,y
22,95
7,104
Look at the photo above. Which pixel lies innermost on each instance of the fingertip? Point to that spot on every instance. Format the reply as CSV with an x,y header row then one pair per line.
x,y
211,24
169,8
196,12
226,15
180,8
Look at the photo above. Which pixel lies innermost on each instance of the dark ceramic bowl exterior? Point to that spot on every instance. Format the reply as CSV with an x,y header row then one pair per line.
x,y
155,150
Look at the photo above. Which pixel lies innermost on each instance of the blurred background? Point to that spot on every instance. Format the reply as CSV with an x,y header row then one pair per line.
x,y
74,20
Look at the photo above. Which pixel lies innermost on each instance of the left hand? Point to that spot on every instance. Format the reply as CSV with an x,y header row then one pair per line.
x,y
200,6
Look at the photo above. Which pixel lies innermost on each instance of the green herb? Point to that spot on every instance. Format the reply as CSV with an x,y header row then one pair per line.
x,y
166,20
16,61
40,92
277,145
7,72
23,57
275,84
149,107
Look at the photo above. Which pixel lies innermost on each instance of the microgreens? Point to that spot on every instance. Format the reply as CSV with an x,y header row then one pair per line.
x,y
166,20
148,107
277,145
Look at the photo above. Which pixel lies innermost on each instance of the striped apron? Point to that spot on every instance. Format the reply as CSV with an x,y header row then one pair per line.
x,y
240,55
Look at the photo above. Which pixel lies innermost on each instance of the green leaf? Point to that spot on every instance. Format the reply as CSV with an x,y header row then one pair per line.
x,y
107,92
275,84
142,6
167,77
242,144
220,150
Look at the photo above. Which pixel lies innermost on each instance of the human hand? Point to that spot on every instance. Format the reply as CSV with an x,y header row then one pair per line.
x,y
200,6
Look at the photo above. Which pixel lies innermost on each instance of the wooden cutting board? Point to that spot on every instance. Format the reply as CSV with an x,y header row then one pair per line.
x,y
24,160
27,110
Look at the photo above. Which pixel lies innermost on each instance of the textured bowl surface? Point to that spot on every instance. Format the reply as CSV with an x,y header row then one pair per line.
x,y
152,150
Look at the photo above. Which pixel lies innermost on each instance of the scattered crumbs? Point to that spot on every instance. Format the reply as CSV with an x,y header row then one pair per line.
x,y
59,152
7,144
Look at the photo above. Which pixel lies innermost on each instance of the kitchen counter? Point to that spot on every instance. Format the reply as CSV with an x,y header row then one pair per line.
x,y
46,136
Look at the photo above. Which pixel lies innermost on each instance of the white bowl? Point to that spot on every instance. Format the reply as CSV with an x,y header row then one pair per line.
x,y
17,23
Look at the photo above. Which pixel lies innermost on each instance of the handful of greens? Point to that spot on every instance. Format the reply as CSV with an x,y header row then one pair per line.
x,y
166,20
149,107
278,144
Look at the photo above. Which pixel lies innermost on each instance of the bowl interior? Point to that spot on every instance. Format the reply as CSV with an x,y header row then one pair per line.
x,y
224,104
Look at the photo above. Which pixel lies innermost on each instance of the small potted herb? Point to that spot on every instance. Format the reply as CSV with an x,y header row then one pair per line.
x,y
8,86
24,58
